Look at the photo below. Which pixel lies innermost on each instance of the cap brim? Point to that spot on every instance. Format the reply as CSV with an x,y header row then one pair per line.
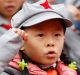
x,y
40,17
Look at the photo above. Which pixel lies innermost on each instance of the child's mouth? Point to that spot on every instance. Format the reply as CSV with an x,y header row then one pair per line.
x,y
9,8
51,54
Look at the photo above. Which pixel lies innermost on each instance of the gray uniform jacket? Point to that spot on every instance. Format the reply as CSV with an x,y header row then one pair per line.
x,y
10,44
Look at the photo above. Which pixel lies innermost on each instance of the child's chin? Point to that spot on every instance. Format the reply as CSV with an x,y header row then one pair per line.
x,y
49,63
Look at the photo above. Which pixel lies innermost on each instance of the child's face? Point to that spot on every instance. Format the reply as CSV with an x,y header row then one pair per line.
x,y
9,7
45,42
72,9
76,14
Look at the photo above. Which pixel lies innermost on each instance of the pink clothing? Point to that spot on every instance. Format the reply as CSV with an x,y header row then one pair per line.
x,y
35,70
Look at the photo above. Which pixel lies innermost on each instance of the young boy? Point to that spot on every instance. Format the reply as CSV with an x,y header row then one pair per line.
x,y
7,9
45,29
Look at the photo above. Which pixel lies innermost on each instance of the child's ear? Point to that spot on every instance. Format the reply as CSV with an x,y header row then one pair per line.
x,y
24,36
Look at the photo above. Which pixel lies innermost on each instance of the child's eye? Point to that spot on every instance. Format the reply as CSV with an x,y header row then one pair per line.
x,y
40,35
57,35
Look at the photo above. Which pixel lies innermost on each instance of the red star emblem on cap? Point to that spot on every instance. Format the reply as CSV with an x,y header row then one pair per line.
x,y
46,5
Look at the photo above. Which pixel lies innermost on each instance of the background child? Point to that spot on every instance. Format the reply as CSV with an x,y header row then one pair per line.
x,y
45,29
72,44
7,9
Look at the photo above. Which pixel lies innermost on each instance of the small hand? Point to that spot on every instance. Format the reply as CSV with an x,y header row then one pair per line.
x,y
21,33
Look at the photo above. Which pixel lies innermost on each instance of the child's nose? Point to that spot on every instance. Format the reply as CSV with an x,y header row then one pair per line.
x,y
50,43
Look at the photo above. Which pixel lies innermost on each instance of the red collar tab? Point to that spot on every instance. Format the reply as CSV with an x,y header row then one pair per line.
x,y
6,26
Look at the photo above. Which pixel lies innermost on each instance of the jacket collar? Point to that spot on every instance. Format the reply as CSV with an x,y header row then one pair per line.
x,y
3,21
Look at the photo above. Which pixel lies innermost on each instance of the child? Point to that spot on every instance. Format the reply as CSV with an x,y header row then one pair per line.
x,y
73,6
7,9
45,29
72,44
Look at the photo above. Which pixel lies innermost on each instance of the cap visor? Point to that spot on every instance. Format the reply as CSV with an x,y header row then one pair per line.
x,y
40,17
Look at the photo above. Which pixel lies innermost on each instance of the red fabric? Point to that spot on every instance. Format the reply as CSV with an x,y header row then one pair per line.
x,y
6,26
65,70
52,72
14,62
